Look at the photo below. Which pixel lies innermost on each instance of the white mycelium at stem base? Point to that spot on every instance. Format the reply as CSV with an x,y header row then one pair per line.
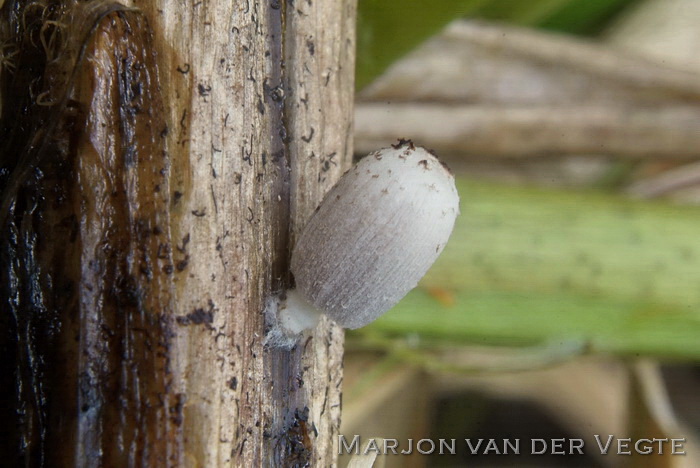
x,y
371,240
296,314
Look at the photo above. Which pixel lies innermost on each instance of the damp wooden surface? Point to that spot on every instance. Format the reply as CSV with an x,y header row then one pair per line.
x,y
202,137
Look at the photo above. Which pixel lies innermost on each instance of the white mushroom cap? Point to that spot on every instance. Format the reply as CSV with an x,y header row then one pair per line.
x,y
375,234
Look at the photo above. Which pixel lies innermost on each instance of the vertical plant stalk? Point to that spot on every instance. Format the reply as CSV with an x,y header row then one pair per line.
x,y
86,278
146,224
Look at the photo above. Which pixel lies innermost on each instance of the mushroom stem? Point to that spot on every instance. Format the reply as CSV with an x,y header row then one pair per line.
x,y
296,314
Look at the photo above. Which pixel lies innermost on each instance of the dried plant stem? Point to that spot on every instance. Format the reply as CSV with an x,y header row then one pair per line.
x,y
501,131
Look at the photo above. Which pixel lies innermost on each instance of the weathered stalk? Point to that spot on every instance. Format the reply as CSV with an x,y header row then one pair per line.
x,y
157,165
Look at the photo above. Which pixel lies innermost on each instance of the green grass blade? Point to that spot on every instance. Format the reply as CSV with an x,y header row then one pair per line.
x,y
585,18
388,29
527,266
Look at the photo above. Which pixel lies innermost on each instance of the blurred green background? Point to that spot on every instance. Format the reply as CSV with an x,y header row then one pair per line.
x,y
567,301
387,29
530,265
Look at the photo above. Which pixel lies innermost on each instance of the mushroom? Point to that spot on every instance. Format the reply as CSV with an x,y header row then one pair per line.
x,y
373,237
